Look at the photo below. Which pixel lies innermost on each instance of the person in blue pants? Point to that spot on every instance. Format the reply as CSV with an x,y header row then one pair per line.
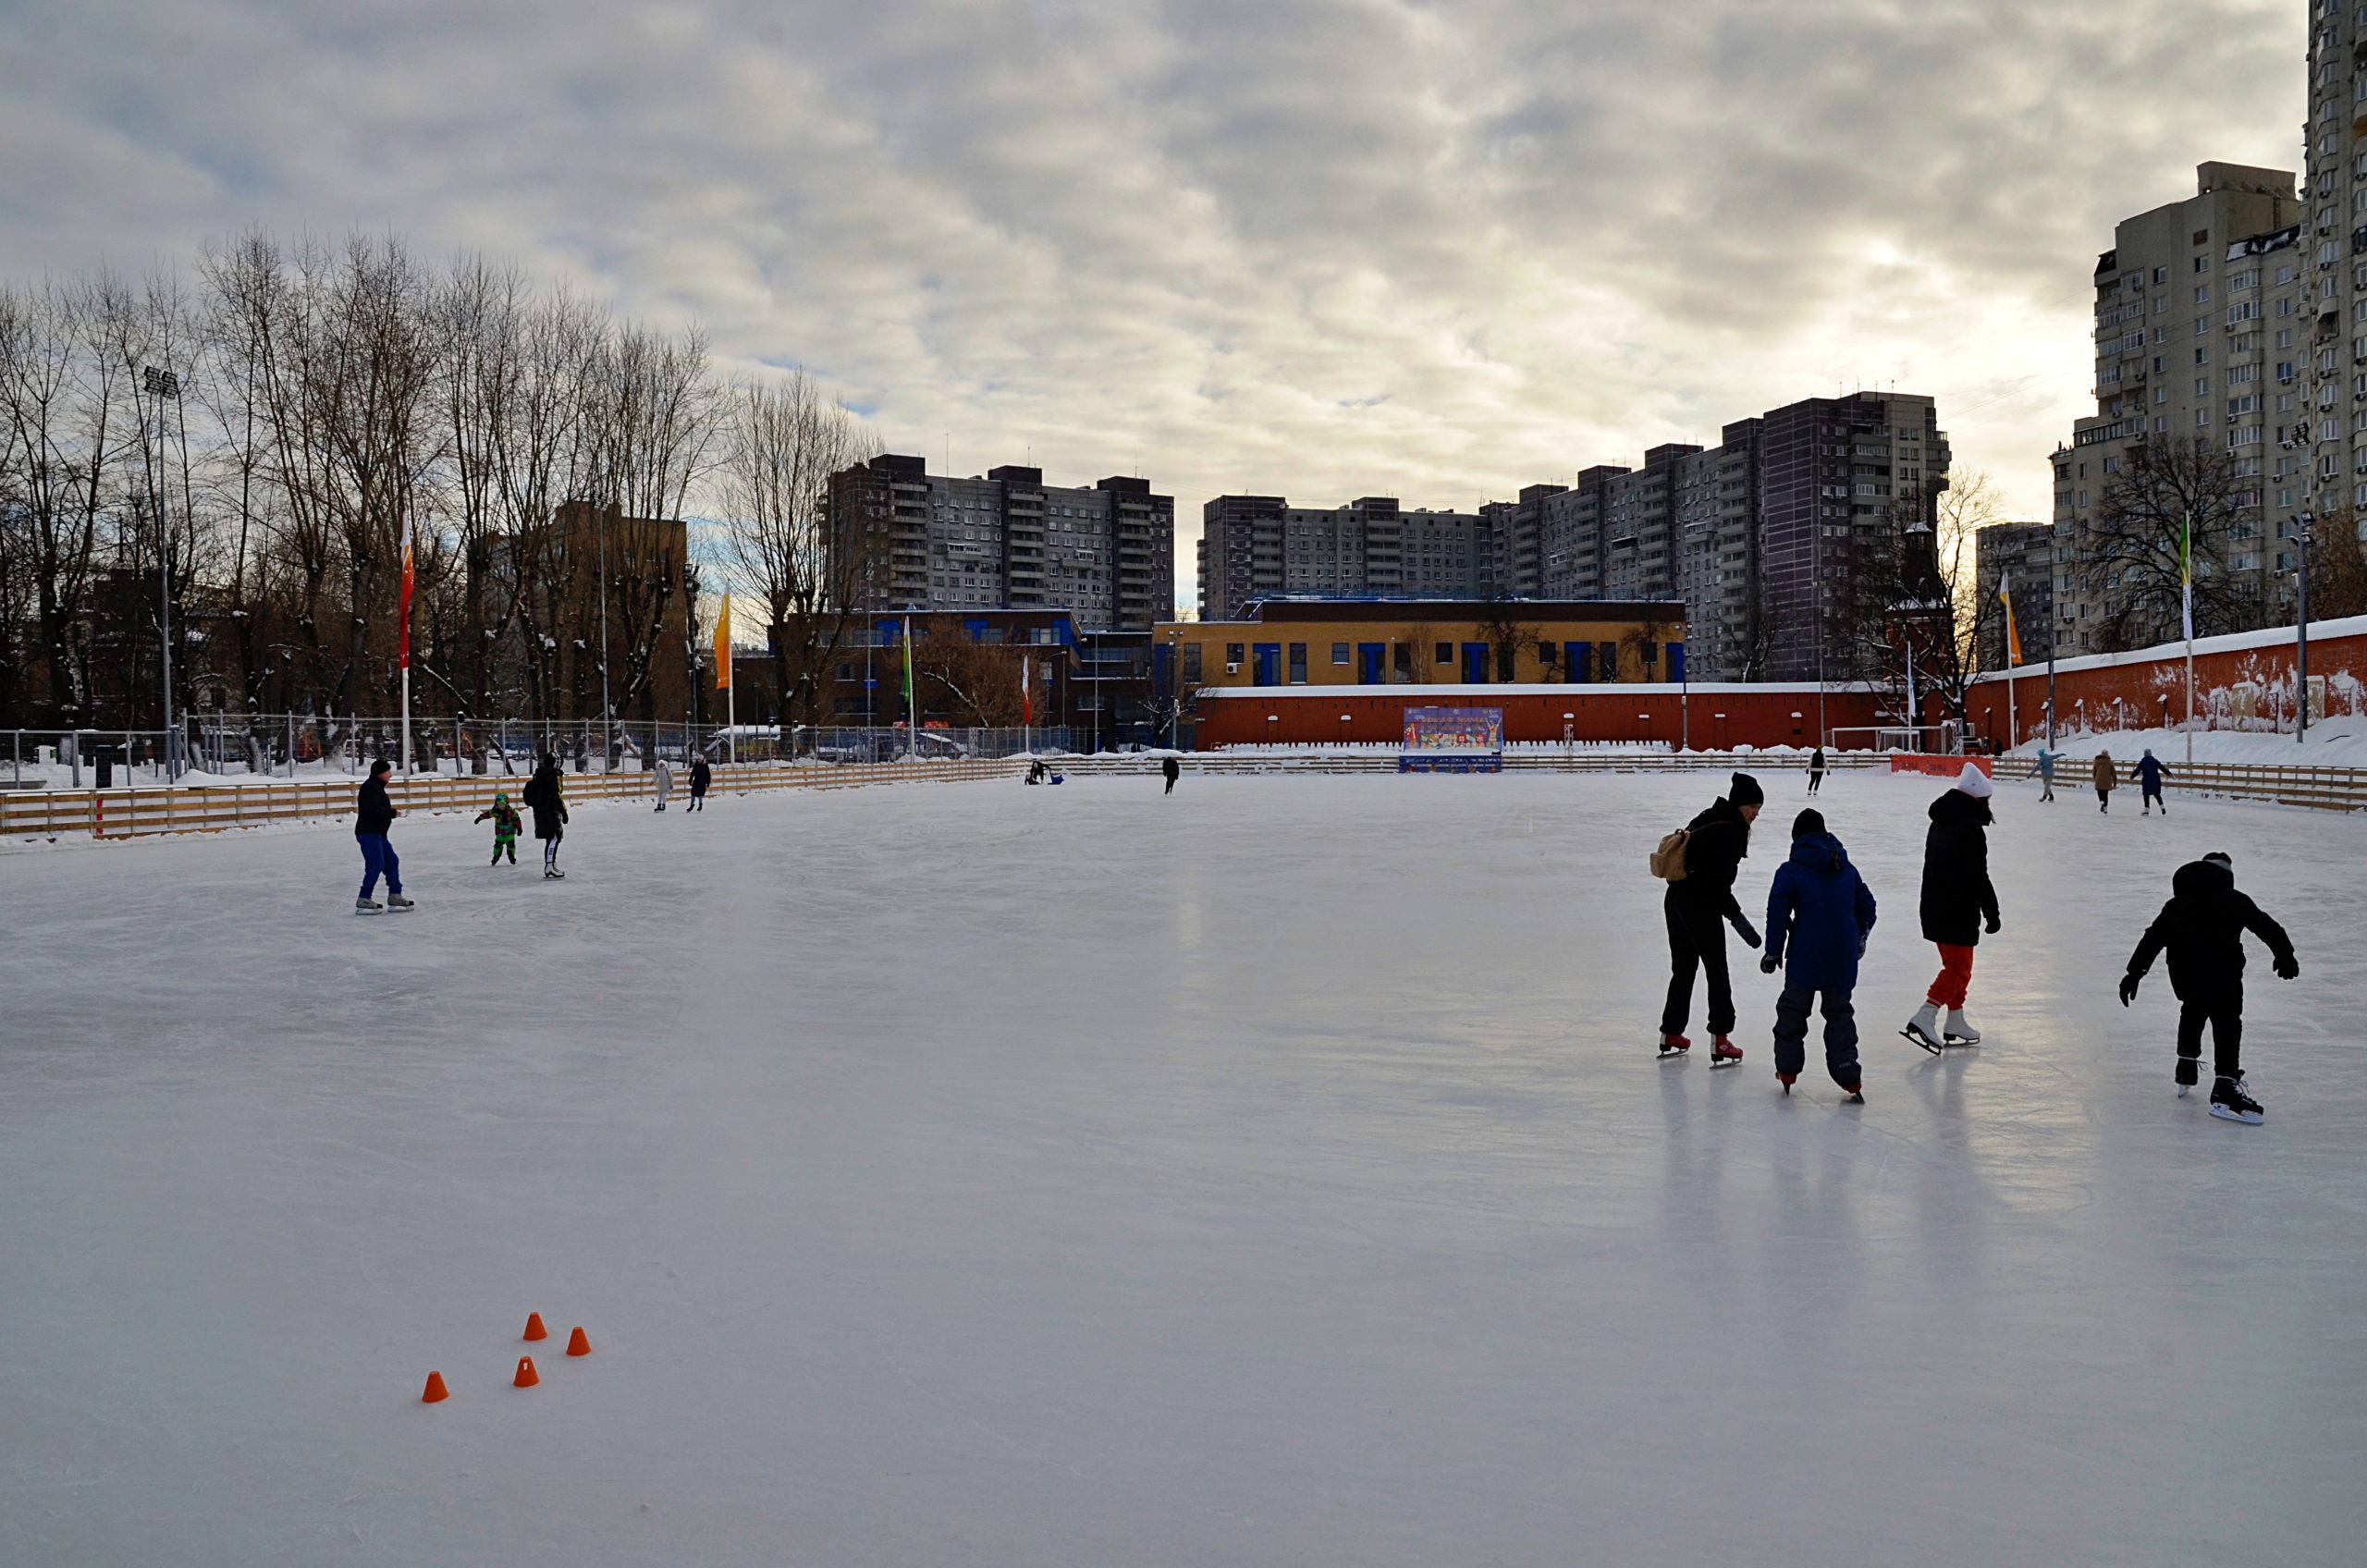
x,y
372,815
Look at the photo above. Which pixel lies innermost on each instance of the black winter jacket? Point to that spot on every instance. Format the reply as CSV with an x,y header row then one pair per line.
x,y
1712,856
701,776
2204,926
1957,890
373,813
542,796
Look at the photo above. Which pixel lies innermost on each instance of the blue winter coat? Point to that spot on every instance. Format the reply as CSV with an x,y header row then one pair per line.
x,y
2149,773
1818,913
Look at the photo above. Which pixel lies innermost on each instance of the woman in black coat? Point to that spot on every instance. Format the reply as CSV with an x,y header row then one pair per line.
x,y
1697,908
543,797
701,776
1958,901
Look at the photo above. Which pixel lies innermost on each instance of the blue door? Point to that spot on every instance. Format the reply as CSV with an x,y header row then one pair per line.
x,y
1474,664
1268,671
1368,657
1676,661
1579,659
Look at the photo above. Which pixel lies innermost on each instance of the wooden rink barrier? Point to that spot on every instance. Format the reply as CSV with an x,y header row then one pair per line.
x,y
137,812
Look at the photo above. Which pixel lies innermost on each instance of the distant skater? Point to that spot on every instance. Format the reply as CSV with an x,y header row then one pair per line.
x,y
1699,903
1816,771
2107,779
550,806
1958,901
1174,770
701,776
372,815
2046,774
1819,913
2203,927
665,782
2149,771
506,824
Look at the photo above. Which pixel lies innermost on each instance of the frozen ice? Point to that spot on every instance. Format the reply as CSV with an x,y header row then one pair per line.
x,y
1277,1172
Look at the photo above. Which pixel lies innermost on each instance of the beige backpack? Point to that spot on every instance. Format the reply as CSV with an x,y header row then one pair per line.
x,y
1668,861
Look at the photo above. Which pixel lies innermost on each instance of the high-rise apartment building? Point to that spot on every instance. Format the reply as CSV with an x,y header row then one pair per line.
x,y
2207,326
2021,555
1254,547
906,539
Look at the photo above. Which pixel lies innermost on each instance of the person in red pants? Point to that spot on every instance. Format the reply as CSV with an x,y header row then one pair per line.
x,y
1958,903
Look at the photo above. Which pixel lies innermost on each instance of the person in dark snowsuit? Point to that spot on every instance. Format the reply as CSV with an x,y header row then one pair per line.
x,y
1816,770
1174,771
1959,900
372,815
504,829
1697,907
1819,913
2203,927
544,798
701,776
2149,771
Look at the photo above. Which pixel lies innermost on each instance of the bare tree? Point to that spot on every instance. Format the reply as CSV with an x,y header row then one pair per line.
x,y
784,440
975,683
2133,562
2338,565
1506,632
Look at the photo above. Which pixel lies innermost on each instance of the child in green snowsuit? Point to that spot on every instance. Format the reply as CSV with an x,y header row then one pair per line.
x,y
506,822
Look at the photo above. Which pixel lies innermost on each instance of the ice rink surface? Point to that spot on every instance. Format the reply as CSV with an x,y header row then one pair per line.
x,y
1279,1173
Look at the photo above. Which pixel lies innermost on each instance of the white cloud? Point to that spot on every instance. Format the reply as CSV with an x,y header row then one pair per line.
x,y
1324,247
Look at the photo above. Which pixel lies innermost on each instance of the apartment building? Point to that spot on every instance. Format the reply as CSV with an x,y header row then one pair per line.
x,y
2207,328
1257,547
904,539
2334,251
2022,554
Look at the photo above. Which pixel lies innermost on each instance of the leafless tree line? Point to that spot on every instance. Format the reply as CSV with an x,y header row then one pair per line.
x,y
329,400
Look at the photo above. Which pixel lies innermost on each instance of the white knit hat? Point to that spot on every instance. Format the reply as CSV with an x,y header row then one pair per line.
x,y
1974,782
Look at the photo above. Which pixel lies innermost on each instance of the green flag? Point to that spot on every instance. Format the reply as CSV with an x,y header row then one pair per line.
x,y
2186,576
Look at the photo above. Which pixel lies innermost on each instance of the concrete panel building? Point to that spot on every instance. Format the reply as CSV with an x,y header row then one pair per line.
x,y
1254,547
2023,554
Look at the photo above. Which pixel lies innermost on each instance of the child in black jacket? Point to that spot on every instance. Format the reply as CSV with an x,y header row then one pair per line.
x,y
2204,926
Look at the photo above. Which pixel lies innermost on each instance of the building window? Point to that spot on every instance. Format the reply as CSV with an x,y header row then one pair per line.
x,y
1299,663
1446,652
1233,653
1339,653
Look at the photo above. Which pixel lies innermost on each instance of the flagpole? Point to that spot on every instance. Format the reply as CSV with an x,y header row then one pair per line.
x,y
405,660
912,700
2186,617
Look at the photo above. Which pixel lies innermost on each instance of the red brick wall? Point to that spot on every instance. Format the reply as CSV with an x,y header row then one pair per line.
x,y
1752,716
2133,686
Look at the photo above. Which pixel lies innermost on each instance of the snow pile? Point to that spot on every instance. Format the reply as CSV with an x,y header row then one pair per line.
x,y
2333,742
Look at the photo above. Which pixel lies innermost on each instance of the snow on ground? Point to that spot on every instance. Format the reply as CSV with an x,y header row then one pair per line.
x,y
2332,743
1276,1172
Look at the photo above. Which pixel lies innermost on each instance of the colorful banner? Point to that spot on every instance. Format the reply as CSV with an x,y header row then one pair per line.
x,y
723,646
1455,730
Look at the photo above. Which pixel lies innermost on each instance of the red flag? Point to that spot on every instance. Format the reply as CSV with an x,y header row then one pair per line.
x,y
402,648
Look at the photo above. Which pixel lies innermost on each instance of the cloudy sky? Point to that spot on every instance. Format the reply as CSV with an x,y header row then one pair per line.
x,y
1324,248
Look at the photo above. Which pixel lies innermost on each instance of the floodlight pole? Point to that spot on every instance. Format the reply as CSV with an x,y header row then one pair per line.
x,y
163,384
2302,625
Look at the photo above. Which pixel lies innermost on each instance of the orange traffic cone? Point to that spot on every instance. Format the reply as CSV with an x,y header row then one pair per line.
x,y
526,1377
436,1392
577,1344
535,1330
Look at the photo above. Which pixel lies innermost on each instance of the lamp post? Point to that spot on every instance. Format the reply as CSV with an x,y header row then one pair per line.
x,y
1569,734
1344,730
164,383
2302,625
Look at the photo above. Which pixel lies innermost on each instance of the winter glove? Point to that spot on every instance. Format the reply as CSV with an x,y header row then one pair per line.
x,y
1992,925
2128,988
2288,967
1770,964
1745,929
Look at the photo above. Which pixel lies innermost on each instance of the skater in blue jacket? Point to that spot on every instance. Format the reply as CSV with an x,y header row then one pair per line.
x,y
1819,914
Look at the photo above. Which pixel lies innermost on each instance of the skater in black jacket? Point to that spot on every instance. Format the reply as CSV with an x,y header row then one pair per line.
x,y
549,806
1816,770
1697,907
1958,903
1174,771
2203,927
372,815
701,776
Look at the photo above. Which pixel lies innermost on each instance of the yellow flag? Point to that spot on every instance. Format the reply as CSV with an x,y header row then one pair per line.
x,y
723,645
2013,633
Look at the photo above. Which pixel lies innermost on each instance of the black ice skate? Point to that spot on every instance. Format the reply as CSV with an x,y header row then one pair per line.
x,y
2230,1103
1852,1093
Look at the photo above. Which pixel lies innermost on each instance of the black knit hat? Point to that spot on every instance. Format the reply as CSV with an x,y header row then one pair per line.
x,y
1745,791
1808,822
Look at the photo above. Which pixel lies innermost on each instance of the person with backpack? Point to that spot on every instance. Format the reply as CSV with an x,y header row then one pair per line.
x,y
1699,863
1958,898
2203,927
372,815
2149,771
701,776
1816,771
1819,913
543,798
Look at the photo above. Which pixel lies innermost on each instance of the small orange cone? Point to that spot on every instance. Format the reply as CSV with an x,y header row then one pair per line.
x,y
577,1344
535,1330
436,1392
526,1377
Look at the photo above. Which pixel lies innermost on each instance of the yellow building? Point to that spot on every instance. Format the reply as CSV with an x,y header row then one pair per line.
x,y
1429,642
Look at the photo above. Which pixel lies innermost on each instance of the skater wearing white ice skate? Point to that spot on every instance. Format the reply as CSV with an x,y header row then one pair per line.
x,y
1700,902
549,806
2203,927
1959,900
665,781
372,815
